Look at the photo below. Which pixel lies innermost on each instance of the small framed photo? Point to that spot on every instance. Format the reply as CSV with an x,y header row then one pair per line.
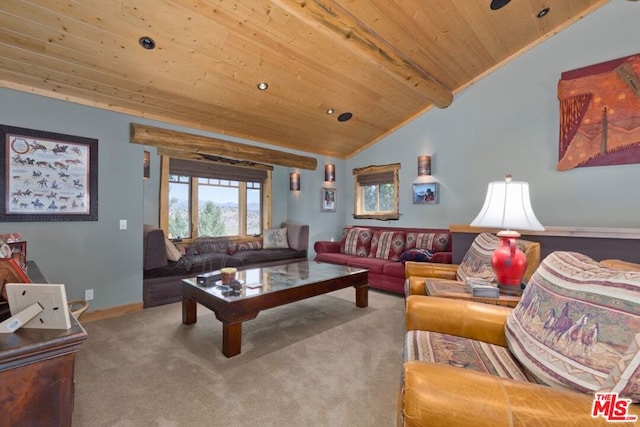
x,y
19,252
54,312
425,193
328,200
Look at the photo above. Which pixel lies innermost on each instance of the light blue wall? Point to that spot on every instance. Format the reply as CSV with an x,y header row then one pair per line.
x,y
96,254
508,123
304,205
93,254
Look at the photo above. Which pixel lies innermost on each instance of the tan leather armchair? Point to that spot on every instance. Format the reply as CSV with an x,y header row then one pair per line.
x,y
476,263
436,394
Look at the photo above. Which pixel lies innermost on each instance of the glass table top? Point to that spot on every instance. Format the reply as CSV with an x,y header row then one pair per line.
x,y
259,281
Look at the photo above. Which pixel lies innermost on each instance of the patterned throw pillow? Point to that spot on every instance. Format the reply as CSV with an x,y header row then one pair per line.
x,y
387,245
244,246
624,378
433,242
275,239
356,241
173,252
576,322
418,255
477,260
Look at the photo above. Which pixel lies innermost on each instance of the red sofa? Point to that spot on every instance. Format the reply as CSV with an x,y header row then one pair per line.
x,y
380,249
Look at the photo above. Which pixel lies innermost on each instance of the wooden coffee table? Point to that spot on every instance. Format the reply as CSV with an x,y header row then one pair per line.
x,y
265,288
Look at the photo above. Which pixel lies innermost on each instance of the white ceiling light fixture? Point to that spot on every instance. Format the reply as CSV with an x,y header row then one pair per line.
x,y
263,85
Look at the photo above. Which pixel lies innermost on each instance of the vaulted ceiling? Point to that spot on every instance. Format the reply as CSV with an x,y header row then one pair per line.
x,y
382,61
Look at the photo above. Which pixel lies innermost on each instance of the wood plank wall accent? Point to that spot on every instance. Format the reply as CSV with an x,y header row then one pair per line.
x,y
174,140
598,243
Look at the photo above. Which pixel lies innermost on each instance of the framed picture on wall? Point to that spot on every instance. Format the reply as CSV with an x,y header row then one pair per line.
x,y
328,200
425,193
49,176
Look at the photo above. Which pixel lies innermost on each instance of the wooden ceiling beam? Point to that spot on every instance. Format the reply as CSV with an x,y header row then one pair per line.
x,y
181,141
212,159
337,21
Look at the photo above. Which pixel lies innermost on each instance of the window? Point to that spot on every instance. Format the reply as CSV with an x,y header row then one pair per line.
x,y
207,199
376,190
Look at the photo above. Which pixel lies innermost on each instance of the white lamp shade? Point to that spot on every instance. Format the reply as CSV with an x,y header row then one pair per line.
x,y
507,206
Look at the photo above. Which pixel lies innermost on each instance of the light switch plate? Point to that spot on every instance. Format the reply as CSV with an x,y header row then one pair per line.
x,y
123,224
52,298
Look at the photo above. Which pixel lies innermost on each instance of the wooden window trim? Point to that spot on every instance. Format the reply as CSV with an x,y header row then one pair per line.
x,y
164,202
377,170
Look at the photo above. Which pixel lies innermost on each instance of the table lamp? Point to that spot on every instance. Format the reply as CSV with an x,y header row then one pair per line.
x,y
507,206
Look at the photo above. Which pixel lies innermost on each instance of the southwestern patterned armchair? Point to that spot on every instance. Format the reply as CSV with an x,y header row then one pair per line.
x,y
574,334
475,263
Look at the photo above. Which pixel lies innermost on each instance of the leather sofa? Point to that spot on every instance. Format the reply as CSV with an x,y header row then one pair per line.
x,y
382,251
162,277
574,335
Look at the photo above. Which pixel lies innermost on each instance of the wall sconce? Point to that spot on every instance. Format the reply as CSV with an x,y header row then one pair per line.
x,y
146,165
424,165
330,172
294,181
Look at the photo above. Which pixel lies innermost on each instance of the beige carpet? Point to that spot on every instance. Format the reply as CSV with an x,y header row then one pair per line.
x,y
318,362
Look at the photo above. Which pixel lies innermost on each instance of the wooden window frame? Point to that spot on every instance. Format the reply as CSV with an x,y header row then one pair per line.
x,y
164,205
358,200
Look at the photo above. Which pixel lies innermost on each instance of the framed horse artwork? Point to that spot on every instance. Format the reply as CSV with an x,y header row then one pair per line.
x,y
49,176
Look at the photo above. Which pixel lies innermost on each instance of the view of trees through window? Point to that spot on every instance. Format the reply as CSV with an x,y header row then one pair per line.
x,y
376,192
378,198
218,204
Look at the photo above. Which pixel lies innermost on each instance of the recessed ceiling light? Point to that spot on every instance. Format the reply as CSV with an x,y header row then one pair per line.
x,y
543,12
147,42
263,86
330,111
498,4
344,117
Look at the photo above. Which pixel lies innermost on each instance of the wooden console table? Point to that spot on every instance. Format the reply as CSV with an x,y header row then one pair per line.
x,y
36,372
457,290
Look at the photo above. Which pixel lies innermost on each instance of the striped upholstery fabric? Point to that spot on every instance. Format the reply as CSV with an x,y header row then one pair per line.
x,y
576,322
624,378
477,261
356,241
433,242
463,353
244,246
387,245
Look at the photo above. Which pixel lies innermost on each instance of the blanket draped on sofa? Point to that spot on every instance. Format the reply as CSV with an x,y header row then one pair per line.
x,y
162,278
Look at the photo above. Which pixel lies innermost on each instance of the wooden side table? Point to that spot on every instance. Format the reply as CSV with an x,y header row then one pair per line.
x,y
36,372
458,290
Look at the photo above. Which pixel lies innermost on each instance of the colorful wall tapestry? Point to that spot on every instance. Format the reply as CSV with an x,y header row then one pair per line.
x,y
600,114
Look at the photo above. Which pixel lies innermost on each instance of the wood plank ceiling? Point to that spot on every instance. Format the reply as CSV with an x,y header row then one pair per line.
x,y
383,61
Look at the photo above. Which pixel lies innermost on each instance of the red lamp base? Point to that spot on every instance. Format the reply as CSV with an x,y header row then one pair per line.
x,y
509,263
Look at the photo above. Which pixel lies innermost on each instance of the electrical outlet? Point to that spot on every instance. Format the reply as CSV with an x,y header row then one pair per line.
x,y
88,294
